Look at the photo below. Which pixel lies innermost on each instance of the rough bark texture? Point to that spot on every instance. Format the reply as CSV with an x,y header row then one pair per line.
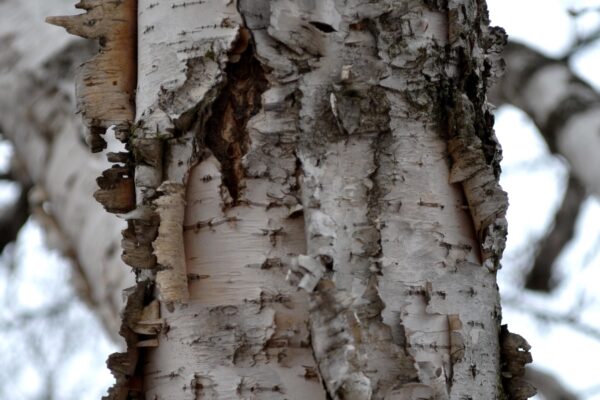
x,y
37,114
341,148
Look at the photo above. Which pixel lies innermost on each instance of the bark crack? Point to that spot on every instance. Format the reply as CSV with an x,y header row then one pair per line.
x,y
225,134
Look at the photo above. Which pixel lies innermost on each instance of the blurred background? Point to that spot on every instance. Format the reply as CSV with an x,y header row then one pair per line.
x,y
550,281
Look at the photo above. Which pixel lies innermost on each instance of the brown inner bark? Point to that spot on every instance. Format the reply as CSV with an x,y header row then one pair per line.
x,y
226,135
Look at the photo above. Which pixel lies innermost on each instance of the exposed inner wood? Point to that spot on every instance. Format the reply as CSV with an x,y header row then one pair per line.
x,y
226,134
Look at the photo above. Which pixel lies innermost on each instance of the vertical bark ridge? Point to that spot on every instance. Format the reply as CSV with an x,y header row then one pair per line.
x,y
243,330
475,153
106,85
344,122
422,301
169,109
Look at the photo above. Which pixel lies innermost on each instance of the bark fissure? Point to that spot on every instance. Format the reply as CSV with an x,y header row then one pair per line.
x,y
226,134
252,338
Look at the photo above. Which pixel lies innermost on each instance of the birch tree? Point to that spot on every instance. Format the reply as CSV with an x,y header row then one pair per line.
x,y
311,196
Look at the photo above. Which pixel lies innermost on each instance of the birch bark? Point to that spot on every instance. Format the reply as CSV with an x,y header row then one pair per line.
x,y
343,223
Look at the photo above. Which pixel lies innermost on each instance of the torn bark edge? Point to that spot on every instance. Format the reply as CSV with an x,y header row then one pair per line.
x,y
141,324
116,190
486,199
138,237
514,355
143,221
106,83
105,87
472,144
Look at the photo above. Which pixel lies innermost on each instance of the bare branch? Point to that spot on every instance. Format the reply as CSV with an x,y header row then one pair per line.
x,y
26,317
582,42
568,121
540,277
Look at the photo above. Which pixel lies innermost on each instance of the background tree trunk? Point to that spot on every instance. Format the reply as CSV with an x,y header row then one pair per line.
x,y
344,150
37,114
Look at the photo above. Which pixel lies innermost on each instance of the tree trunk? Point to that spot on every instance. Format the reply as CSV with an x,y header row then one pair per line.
x,y
311,195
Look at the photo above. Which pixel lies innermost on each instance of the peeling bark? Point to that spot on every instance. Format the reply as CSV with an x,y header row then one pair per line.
x,y
106,83
168,246
378,199
320,146
515,355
